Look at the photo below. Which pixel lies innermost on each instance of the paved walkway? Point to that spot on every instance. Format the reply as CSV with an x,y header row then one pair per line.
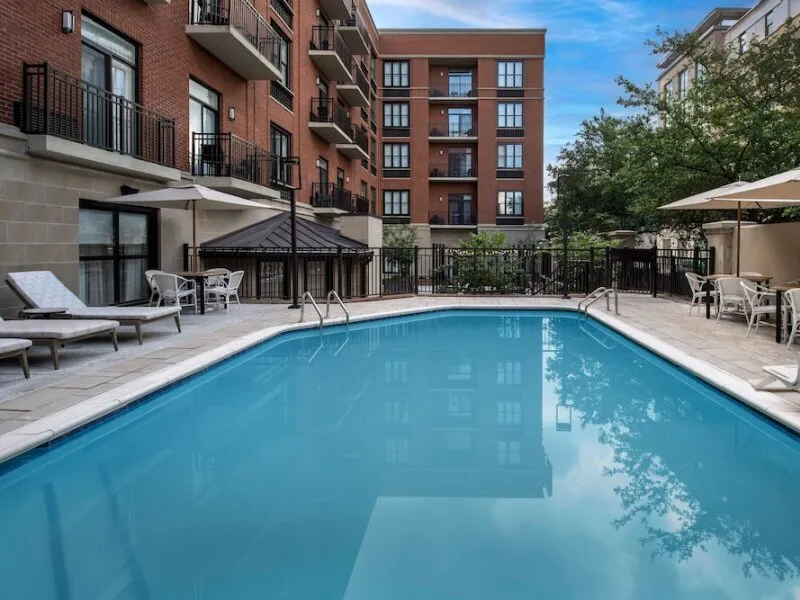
x,y
91,367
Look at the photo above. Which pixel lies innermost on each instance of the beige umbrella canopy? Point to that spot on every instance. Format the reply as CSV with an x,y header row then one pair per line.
x,y
728,197
188,197
782,189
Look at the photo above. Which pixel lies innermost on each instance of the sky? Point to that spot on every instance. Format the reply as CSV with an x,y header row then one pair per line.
x,y
589,43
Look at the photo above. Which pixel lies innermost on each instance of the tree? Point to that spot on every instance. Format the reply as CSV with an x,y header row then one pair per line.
x,y
399,252
485,262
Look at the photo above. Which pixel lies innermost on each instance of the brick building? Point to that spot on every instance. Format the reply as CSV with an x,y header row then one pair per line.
x,y
439,128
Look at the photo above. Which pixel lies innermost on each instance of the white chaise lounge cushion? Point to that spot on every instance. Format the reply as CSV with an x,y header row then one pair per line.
x,y
53,329
13,345
42,289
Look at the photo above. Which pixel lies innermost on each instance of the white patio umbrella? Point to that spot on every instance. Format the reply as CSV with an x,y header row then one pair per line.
x,y
188,197
726,198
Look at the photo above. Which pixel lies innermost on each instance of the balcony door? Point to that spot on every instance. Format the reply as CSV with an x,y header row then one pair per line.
x,y
207,158
108,66
460,209
459,83
460,163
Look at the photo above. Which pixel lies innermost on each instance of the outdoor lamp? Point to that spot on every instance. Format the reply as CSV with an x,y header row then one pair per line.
x,y
67,21
232,113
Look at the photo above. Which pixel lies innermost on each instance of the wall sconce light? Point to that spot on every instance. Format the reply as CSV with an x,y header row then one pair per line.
x,y
67,21
442,112
317,12
232,113
441,151
317,163
347,179
441,199
318,81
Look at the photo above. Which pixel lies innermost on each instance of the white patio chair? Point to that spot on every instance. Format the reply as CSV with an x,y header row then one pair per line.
x,y
730,297
788,375
176,290
696,283
216,277
227,291
148,275
756,300
793,298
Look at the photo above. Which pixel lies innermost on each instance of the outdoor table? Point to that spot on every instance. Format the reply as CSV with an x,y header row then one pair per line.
x,y
779,288
199,278
710,278
42,313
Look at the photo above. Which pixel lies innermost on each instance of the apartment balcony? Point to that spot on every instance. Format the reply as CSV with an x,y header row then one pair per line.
x,y
460,168
355,33
358,148
336,9
454,92
71,121
355,91
227,163
452,219
457,128
329,121
331,199
330,54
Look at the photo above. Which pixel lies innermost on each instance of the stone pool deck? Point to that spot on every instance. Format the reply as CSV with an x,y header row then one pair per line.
x,y
91,368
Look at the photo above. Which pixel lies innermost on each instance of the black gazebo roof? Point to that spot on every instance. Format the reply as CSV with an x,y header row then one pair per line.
x,y
274,235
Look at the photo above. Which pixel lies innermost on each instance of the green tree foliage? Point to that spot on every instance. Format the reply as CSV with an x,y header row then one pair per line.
x,y
485,262
399,242
740,118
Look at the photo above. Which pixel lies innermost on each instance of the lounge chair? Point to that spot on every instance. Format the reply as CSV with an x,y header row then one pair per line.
x,y
42,289
10,348
788,375
58,332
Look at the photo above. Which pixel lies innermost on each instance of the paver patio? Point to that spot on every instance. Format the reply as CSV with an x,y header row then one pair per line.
x,y
88,368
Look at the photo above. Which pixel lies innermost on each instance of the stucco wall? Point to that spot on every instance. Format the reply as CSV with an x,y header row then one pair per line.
x,y
772,250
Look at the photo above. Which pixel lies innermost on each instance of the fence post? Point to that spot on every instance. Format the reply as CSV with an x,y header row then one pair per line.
x,y
654,271
711,260
416,269
589,286
695,259
185,248
339,271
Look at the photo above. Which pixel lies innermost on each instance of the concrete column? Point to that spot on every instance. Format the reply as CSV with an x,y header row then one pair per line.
x,y
626,238
721,236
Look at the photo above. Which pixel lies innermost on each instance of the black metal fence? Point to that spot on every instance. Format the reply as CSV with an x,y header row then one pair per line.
x,y
379,272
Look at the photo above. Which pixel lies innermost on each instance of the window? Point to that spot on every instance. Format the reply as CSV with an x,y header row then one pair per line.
x,y
509,413
395,73
509,156
280,144
509,204
116,247
509,453
363,189
459,405
742,39
397,451
769,23
395,371
395,156
459,207
395,114
373,199
108,63
323,172
699,71
509,373
459,84
509,114
396,412
283,54
395,202
459,122
683,83
203,127
509,74
669,90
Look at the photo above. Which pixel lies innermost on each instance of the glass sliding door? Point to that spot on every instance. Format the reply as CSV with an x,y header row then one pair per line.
x,y
117,246
204,121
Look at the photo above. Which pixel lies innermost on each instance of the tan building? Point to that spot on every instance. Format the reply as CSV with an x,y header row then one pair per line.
x,y
102,98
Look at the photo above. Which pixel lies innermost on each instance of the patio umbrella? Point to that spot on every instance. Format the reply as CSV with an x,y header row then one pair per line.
x,y
188,197
723,198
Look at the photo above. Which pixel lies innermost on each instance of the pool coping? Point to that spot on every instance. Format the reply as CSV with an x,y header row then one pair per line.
x,y
63,422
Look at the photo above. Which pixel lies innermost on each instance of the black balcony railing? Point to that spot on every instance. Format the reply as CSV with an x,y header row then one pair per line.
x,y
452,218
460,166
331,195
327,38
362,205
356,21
361,82
284,10
244,18
226,155
455,89
361,138
56,103
325,110
455,126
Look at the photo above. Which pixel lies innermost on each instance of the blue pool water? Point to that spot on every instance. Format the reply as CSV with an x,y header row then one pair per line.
x,y
480,455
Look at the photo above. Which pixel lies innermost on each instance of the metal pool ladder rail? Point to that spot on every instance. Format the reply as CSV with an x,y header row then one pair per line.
x,y
601,292
313,303
335,296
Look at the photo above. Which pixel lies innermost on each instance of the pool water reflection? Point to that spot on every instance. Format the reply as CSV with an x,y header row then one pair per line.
x,y
451,455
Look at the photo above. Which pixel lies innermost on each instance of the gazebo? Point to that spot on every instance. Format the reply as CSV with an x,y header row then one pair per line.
x,y
327,260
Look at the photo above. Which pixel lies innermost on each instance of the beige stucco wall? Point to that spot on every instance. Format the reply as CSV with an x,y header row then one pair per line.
x,y
367,230
771,250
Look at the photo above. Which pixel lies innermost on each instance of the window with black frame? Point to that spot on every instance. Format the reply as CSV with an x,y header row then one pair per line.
x,y
280,145
509,204
395,203
395,73
284,52
395,114
116,246
509,74
207,153
509,115
395,156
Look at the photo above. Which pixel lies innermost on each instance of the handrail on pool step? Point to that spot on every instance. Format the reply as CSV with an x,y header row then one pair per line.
x,y
313,303
335,296
601,292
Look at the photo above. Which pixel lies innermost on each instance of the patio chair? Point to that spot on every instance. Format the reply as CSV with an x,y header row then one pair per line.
x,y
10,348
793,298
148,275
756,301
730,297
228,291
42,289
58,332
174,289
216,277
696,284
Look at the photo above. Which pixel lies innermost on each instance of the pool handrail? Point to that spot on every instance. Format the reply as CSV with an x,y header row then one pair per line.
x,y
335,296
314,304
601,292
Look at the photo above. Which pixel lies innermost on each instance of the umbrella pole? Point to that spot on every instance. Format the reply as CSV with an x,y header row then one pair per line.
x,y
195,266
738,235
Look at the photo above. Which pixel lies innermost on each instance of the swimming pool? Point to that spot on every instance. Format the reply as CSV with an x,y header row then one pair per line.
x,y
462,454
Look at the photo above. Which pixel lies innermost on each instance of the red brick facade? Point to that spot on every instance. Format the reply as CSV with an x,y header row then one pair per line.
x,y
31,32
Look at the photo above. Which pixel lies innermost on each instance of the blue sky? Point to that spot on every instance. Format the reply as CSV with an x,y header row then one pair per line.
x,y
589,43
